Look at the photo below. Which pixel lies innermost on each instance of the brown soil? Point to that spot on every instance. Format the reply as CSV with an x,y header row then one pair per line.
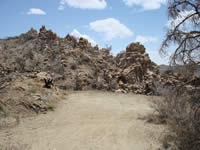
x,y
88,121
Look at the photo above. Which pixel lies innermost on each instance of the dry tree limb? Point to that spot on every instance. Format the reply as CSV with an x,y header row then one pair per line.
x,y
187,41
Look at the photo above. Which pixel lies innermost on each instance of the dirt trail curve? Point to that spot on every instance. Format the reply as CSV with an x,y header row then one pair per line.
x,y
89,121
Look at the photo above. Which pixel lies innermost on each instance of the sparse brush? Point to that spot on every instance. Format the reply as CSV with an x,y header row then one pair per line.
x,y
33,90
181,111
16,146
51,106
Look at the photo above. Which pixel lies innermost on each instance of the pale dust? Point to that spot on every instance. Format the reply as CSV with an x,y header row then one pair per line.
x,y
89,121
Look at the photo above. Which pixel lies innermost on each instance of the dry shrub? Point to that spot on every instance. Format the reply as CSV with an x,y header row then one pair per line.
x,y
16,146
180,110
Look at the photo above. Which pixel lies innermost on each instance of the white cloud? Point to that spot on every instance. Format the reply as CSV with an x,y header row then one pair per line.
x,y
36,11
146,4
172,23
157,58
83,4
145,39
61,7
111,28
77,34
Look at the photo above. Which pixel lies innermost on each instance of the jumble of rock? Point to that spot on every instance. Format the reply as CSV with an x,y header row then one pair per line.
x,y
180,80
137,71
77,65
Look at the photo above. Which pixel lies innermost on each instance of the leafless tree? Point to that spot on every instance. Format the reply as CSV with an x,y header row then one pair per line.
x,y
183,32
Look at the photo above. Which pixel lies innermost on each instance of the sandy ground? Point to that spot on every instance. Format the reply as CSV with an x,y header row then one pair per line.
x,y
89,121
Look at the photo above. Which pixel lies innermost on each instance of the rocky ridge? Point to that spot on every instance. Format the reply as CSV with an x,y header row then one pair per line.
x,y
75,64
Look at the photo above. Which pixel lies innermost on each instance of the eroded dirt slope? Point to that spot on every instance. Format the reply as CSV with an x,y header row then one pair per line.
x,y
88,121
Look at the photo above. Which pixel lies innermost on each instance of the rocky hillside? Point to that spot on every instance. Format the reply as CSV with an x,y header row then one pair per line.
x,y
76,65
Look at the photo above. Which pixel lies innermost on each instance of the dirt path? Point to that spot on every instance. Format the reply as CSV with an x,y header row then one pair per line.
x,y
89,121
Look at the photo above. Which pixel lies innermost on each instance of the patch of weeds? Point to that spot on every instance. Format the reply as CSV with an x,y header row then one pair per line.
x,y
3,111
180,110
9,146
33,90
154,118
51,106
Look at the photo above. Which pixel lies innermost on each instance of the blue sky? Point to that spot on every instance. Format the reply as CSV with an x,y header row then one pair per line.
x,y
105,22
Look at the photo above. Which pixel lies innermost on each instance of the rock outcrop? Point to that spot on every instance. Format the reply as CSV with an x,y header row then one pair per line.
x,y
137,71
75,64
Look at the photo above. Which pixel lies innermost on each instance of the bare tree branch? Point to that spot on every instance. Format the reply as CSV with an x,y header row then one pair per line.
x,y
187,41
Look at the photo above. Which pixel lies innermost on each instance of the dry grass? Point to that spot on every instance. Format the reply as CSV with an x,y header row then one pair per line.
x,y
33,90
180,110
26,97
16,146
51,106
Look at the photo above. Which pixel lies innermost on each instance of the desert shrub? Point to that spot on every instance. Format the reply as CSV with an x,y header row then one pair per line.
x,y
180,110
20,64
29,55
180,107
33,90
73,66
16,146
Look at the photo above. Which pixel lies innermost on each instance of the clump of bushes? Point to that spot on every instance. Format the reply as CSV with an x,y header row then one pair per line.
x,y
180,110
